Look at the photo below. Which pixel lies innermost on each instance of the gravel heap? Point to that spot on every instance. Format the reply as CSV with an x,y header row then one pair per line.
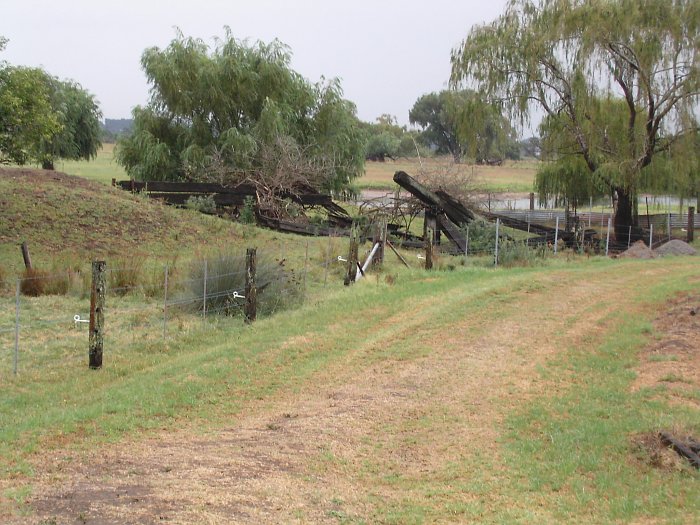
x,y
675,247
638,250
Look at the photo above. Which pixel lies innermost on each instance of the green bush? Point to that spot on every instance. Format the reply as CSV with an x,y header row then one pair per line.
x,y
278,287
482,237
201,203
247,215
517,253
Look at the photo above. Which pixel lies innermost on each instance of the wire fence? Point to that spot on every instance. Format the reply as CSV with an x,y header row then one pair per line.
x,y
44,319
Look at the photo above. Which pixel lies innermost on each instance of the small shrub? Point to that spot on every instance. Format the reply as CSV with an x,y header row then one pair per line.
x,y
247,215
482,237
278,287
33,282
514,253
201,203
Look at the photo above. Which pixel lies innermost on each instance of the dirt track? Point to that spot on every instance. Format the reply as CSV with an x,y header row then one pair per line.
x,y
315,456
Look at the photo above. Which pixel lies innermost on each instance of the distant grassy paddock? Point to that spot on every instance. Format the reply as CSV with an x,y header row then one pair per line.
x,y
512,177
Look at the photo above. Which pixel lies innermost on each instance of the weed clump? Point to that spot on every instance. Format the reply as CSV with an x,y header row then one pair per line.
x,y
278,287
125,276
35,282
202,204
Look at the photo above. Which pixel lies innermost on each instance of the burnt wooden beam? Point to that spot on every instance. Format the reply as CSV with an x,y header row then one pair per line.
x,y
185,187
680,448
452,232
454,210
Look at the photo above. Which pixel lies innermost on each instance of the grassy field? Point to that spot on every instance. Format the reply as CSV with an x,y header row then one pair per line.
x,y
512,177
101,169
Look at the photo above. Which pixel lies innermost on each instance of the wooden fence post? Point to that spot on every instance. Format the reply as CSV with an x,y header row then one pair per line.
x,y
429,249
532,201
25,255
97,316
691,224
352,257
379,237
251,292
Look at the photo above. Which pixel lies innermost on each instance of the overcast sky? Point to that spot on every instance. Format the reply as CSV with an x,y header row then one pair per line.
x,y
387,53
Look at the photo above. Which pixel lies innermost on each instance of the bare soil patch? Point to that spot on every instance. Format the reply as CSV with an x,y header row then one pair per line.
x,y
672,362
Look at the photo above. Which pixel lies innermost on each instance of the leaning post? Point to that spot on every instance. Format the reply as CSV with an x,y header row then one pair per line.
x,y
691,224
351,273
97,316
251,291
429,249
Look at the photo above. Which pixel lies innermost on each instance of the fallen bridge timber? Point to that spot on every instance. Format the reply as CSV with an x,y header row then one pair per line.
x,y
443,213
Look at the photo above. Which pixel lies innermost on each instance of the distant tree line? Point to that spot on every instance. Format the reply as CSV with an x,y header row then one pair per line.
x,y
112,129
455,123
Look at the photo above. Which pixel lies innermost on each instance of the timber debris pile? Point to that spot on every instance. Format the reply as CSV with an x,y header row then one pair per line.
x,y
443,213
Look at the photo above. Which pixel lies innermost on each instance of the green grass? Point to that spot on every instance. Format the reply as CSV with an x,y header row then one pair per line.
x,y
102,168
569,450
512,177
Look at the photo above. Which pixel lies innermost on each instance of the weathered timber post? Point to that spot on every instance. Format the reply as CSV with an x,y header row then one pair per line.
x,y
379,238
429,249
97,316
15,359
556,235
306,266
251,292
25,255
352,257
165,303
607,239
430,224
495,251
629,238
328,260
532,201
691,223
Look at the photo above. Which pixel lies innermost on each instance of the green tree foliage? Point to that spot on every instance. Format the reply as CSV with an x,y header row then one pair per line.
x,y
27,118
438,115
235,109
43,118
459,123
567,181
79,117
617,79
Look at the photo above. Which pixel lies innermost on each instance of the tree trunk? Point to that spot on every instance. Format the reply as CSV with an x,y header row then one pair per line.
x,y
47,164
457,156
625,216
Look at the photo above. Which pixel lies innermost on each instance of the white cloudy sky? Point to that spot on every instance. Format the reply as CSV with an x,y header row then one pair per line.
x,y
386,52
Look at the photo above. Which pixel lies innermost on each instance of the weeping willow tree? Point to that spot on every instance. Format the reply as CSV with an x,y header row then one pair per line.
x,y
239,111
572,59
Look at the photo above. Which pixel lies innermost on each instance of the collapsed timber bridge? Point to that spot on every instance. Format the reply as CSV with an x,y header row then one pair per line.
x,y
443,214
